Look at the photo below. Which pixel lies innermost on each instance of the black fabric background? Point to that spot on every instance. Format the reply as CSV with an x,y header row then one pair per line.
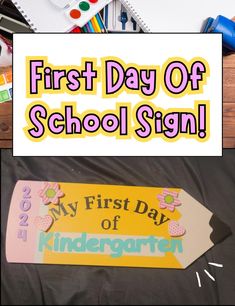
x,y
210,180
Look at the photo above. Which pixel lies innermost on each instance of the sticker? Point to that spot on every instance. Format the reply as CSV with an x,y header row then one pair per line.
x,y
43,223
175,229
108,225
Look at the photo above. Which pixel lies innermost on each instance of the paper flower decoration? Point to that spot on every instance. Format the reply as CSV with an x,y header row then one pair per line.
x,y
169,199
51,193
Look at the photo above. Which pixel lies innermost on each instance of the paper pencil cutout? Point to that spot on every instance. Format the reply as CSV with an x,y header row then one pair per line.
x,y
107,225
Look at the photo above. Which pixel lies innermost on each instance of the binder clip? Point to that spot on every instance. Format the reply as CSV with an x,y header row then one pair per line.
x,y
225,26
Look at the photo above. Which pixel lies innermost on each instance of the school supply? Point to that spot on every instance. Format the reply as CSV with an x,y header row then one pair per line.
x,y
176,15
118,19
11,20
123,17
11,25
8,8
76,30
6,86
225,26
106,14
101,23
95,25
80,12
43,16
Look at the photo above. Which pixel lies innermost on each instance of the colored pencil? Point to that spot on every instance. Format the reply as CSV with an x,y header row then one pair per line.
x,y
88,28
95,25
101,23
85,29
91,27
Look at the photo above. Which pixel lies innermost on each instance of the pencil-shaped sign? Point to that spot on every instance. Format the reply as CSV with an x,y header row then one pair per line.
x,y
106,225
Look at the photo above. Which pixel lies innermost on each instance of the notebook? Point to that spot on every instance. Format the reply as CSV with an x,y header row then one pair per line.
x,y
177,15
42,16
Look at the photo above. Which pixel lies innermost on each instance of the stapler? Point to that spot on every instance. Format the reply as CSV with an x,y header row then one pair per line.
x,y
225,26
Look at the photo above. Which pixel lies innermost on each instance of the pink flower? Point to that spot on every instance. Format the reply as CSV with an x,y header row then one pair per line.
x,y
169,199
50,193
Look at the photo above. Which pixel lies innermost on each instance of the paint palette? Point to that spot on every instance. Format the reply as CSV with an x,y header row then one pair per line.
x,y
6,87
81,11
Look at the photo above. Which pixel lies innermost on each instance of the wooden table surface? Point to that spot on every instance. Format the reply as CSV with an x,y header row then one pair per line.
x,y
5,120
228,110
6,125
229,102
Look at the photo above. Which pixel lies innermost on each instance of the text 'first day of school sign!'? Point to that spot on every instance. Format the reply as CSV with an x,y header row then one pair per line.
x,y
108,225
150,94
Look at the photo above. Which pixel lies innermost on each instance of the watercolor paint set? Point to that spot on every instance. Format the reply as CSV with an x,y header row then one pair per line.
x,y
80,12
6,86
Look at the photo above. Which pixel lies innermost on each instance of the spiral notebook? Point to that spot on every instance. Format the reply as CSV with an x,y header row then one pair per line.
x,y
42,16
177,15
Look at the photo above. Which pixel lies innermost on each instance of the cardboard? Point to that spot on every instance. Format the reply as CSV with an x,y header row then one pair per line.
x,y
107,225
